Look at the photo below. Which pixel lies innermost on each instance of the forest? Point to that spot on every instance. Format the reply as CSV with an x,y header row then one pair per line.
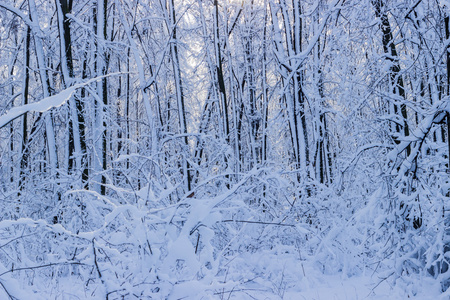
x,y
224,149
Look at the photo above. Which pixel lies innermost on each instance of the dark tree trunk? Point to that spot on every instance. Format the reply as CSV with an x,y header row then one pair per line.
x,y
24,148
180,94
395,78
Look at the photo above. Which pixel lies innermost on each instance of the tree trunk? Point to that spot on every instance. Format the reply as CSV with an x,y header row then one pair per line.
x,y
100,155
172,26
447,36
24,146
50,133
219,73
295,100
395,78
77,142
300,96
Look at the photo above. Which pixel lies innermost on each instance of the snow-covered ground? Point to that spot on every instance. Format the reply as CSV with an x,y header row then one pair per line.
x,y
337,288
325,287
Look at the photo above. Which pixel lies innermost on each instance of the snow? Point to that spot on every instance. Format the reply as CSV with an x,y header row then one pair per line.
x,y
40,106
314,285
46,103
315,191
361,287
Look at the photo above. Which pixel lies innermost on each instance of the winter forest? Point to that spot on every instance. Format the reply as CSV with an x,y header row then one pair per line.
x,y
224,149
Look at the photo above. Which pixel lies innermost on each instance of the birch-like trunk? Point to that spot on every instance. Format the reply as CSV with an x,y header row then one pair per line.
x,y
50,133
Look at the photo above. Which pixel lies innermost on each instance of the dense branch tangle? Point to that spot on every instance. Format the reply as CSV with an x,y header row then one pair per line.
x,y
219,116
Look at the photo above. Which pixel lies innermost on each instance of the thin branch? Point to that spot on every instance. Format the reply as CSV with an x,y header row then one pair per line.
x,y
14,239
6,291
95,260
412,8
42,266
48,102
259,222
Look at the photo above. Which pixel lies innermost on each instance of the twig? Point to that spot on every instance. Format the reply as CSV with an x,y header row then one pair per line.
x,y
412,9
95,260
149,247
259,222
382,279
115,291
40,267
239,290
15,239
6,291
198,240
